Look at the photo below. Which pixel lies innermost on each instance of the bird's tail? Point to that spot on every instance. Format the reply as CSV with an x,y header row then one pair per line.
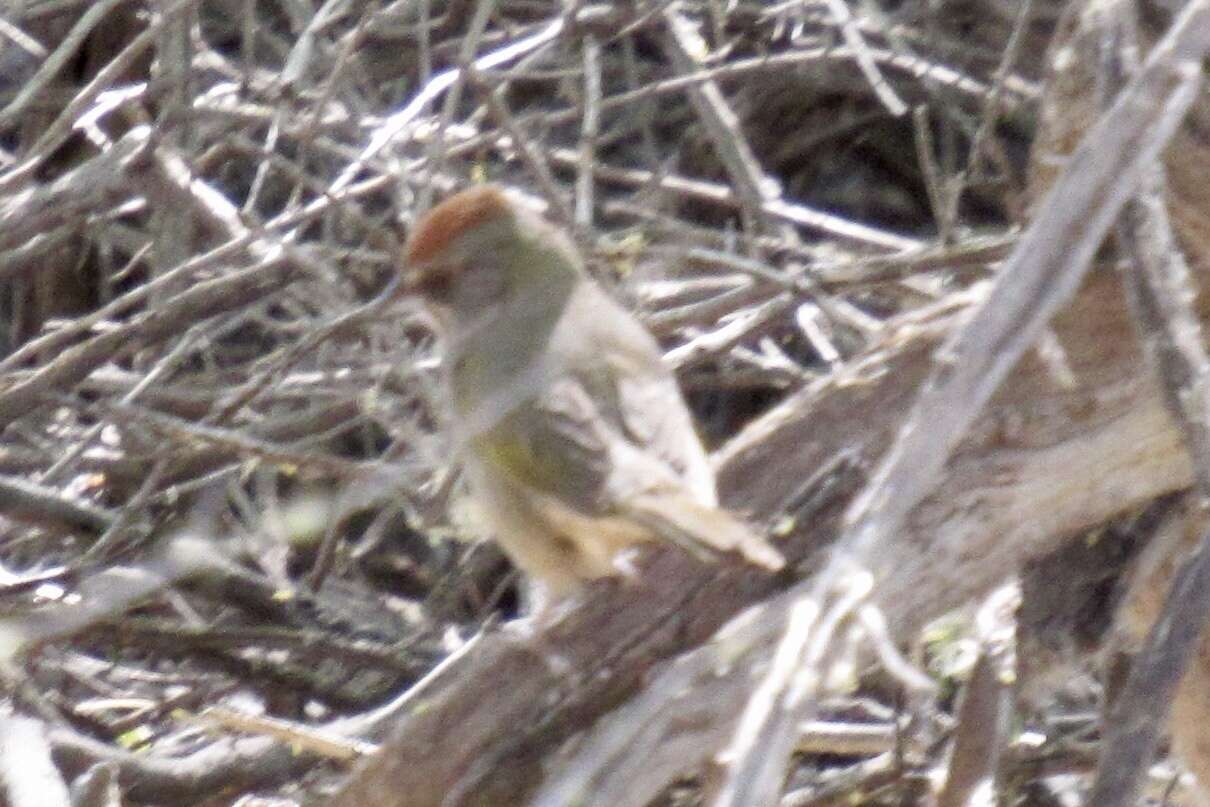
x,y
703,530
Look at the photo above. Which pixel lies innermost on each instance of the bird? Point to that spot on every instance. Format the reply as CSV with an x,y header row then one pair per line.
x,y
573,436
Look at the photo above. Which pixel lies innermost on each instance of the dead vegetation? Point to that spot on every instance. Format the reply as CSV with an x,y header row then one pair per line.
x,y
226,494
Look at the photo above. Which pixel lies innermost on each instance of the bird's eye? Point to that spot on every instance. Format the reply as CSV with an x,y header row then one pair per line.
x,y
437,285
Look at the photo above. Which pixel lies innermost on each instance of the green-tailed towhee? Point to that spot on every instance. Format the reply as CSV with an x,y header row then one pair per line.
x,y
575,440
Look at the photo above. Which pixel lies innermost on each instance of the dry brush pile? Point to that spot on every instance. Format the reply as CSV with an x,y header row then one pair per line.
x,y
226,498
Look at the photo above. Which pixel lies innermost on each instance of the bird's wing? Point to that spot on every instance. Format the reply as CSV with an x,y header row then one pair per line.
x,y
610,437
661,476
556,444
653,417
600,433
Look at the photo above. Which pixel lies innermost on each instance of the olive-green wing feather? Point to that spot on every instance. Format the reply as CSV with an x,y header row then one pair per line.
x,y
555,445
576,449
610,437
